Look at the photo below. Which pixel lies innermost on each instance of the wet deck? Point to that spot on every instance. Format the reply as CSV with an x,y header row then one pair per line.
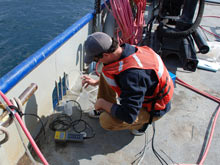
x,y
180,135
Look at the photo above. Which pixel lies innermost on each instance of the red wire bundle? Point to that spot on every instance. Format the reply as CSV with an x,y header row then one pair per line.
x,y
139,20
130,27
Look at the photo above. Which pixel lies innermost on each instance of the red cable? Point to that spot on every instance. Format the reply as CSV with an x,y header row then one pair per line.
x,y
207,30
130,27
216,99
198,91
210,138
212,16
27,133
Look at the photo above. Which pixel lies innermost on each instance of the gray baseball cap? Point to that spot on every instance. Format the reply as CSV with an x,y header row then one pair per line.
x,y
96,44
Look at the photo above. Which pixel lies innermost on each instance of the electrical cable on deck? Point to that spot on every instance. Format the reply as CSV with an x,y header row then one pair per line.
x,y
216,99
215,35
64,122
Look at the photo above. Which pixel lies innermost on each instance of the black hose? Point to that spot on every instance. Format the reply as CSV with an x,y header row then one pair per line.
x,y
171,33
97,7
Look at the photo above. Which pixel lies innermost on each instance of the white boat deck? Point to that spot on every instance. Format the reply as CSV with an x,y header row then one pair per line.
x,y
180,135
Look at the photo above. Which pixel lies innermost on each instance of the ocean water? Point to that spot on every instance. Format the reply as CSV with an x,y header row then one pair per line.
x,y
27,25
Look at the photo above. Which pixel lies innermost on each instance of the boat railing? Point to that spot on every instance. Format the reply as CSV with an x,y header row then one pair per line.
x,y
10,79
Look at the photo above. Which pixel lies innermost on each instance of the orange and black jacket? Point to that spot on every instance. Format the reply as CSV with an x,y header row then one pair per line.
x,y
145,69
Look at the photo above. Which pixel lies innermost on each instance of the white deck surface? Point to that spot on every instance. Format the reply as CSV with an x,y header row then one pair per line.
x,y
180,135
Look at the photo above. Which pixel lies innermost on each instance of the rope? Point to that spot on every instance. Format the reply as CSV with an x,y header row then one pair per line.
x,y
4,130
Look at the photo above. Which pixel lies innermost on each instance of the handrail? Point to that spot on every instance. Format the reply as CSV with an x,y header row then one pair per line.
x,y
5,118
24,128
20,71
10,79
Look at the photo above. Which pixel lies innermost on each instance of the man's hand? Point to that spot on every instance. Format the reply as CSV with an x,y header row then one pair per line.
x,y
102,104
86,80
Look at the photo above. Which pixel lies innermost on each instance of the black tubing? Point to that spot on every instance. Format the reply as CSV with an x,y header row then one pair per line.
x,y
200,41
180,34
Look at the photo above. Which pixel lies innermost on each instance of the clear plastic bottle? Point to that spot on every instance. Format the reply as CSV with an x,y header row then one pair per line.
x,y
68,108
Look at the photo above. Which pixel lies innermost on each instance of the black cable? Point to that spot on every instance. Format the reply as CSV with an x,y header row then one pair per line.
x,y
173,162
64,122
61,123
154,151
30,114
12,107
159,157
23,114
93,132
207,134
209,2
141,153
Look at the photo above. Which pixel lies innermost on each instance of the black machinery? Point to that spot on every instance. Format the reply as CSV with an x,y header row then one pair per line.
x,y
177,30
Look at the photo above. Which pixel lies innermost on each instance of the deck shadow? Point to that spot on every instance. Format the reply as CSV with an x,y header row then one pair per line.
x,y
104,143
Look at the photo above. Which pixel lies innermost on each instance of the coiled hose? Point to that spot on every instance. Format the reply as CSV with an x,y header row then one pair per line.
x,y
173,33
4,130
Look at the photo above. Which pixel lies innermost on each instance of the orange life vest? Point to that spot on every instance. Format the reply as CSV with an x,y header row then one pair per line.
x,y
144,58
